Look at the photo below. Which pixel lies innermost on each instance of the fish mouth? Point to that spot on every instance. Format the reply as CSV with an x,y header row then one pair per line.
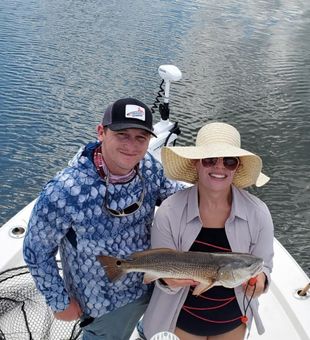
x,y
257,268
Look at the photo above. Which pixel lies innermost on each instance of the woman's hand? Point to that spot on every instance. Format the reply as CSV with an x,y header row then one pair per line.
x,y
175,283
73,312
249,287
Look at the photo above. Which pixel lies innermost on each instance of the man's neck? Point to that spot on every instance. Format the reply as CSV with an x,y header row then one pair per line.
x,y
105,172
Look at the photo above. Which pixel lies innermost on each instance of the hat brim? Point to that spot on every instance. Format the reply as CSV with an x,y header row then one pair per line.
x,y
262,180
123,126
178,162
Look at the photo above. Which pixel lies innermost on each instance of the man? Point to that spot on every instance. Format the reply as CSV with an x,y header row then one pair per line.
x,y
102,203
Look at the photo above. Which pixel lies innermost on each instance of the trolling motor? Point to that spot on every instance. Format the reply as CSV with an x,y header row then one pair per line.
x,y
166,131
168,73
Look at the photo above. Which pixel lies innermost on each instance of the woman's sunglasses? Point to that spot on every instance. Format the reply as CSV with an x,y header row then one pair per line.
x,y
132,208
230,163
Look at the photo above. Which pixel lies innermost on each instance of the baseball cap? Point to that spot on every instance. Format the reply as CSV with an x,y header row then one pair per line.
x,y
128,113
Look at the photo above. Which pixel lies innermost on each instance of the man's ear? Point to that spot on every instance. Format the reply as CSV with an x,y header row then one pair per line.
x,y
100,132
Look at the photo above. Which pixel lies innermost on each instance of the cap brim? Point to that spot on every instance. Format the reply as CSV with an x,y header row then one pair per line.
x,y
123,126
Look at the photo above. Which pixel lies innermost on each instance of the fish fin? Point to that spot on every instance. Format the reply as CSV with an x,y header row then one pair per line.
x,y
148,278
112,266
151,251
202,287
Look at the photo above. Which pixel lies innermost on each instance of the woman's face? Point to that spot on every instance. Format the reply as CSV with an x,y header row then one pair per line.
x,y
214,175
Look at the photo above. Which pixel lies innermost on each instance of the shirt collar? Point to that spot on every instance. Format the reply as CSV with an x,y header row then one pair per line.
x,y
192,204
237,209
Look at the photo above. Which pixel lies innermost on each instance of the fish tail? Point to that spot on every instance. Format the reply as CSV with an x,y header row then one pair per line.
x,y
112,266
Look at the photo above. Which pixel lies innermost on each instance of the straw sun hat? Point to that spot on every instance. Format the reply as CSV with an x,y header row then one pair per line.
x,y
213,140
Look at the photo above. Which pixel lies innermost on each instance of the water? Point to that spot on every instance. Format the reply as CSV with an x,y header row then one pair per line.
x,y
244,62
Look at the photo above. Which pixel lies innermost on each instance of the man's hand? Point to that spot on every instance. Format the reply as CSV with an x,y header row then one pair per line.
x,y
175,283
259,288
73,312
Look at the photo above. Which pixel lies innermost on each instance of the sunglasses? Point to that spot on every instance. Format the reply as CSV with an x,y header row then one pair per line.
x,y
132,208
230,163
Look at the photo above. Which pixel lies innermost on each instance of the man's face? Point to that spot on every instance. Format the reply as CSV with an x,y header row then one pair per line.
x,y
123,149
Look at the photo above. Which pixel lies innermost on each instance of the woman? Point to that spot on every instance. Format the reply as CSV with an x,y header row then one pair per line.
x,y
215,214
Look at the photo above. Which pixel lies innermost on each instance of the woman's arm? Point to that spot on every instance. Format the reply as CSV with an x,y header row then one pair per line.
x,y
263,248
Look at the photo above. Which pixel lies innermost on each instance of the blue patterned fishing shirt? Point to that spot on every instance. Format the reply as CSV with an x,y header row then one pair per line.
x,y
75,198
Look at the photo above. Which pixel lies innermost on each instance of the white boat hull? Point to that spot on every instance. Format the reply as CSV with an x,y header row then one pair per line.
x,y
285,314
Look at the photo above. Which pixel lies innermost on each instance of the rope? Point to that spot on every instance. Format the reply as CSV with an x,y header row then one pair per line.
x,y
212,321
212,245
225,301
26,320
222,301
251,282
211,308
304,291
76,330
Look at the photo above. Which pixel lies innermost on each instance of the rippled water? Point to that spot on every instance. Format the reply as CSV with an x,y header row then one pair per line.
x,y
244,62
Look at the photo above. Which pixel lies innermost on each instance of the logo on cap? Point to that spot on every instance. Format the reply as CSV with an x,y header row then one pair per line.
x,y
135,111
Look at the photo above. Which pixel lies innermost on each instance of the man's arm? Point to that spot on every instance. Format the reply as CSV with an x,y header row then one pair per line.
x,y
45,230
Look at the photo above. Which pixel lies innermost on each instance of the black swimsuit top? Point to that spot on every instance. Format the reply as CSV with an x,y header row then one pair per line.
x,y
216,311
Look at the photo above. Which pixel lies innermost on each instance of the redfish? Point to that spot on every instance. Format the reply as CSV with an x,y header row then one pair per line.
x,y
209,269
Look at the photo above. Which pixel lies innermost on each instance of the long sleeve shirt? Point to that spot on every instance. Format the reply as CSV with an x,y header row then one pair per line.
x,y
75,200
249,229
